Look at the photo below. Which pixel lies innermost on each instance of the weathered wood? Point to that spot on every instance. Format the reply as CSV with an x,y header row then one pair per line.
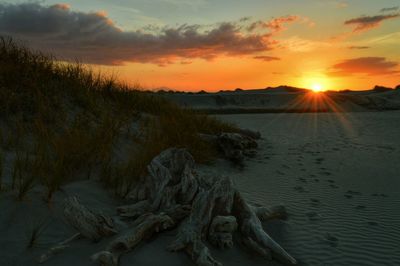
x,y
209,210
57,248
221,230
236,146
90,224
254,235
274,212
134,210
145,226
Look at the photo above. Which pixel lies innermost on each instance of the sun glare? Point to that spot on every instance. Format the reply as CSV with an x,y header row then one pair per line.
x,y
316,87
316,84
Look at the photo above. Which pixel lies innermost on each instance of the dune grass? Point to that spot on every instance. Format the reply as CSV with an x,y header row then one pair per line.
x,y
1,169
66,122
35,231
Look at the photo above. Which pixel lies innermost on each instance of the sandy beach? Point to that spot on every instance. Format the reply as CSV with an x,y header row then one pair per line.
x,y
338,176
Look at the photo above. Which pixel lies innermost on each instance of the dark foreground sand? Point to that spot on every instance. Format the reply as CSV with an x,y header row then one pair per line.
x,y
339,177
337,174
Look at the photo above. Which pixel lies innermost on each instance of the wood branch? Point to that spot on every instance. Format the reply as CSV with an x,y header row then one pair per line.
x,y
58,248
134,210
217,200
235,146
172,194
266,214
91,225
221,230
254,235
145,226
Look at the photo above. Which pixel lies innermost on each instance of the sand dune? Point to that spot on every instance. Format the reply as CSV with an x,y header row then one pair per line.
x,y
287,99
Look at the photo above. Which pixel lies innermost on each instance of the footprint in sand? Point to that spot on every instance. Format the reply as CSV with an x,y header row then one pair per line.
x,y
360,207
373,223
313,216
315,202
325,173
352,192
380,195
331,239
299,189
280,173
348,196
316,180
302,179
333,186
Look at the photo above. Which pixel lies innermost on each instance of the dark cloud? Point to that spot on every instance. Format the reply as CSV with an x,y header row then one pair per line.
x,y
365,65
266,58
366,23
390,9
94,38
277,25
356,47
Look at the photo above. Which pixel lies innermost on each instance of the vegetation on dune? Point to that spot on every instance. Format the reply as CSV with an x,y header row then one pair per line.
x,y
64,121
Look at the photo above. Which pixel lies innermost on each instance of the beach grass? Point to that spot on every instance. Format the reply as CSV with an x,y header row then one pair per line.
x,y
65,121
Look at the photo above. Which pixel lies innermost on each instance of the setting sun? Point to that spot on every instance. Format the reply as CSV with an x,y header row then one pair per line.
x,y
317,87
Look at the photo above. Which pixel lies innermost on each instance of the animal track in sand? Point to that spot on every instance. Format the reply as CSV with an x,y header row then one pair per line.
x,y
352,192
299,189
325,173
302,179
313,216
331,239
360,207
380,195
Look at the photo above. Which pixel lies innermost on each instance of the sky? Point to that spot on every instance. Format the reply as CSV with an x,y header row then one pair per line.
x,y
213,45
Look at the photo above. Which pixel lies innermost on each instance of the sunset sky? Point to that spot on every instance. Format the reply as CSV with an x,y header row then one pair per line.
x,y
219,44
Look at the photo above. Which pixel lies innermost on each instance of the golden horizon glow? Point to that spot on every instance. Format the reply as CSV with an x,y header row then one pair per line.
x,y
317,88
317,84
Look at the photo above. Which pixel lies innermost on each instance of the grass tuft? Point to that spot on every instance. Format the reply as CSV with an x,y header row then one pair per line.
x,y
72,121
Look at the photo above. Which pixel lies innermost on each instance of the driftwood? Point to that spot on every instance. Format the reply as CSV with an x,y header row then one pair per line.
x,y
234,146
58,248
145,226
90,225
209,210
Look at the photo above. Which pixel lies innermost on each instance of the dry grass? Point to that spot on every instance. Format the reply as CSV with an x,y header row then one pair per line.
x,y
1,169
71,118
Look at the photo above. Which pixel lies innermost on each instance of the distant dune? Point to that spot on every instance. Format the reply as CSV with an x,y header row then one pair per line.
x,y
286,99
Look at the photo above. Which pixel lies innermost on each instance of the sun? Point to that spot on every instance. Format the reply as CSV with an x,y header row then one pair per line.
x,y
317,87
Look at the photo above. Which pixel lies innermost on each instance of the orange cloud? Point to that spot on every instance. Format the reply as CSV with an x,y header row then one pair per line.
x,y
266,58
365,65
279,24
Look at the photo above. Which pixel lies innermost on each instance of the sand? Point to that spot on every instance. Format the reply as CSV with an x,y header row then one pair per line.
x,y
337,174
339,177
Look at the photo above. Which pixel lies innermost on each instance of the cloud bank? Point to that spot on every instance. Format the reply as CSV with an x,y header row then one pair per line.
x,y
365,23
365,65
94,38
